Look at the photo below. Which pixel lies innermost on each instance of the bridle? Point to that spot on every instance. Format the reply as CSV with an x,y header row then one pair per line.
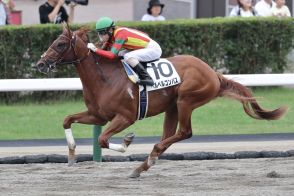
x,y
58,60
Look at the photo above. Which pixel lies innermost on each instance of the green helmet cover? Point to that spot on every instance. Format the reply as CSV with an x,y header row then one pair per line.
x,y
104,23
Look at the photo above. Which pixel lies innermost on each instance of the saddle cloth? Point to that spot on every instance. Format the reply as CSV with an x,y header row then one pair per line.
x,y
161,71
163,74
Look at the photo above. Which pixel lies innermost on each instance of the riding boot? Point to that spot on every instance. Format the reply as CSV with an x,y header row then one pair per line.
x,y
145,78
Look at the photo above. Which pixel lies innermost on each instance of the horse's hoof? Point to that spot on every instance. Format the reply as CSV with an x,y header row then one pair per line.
x,y
129,138
134,174
71,162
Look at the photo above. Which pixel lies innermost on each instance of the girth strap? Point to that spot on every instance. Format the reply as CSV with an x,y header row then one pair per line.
x,y
143,102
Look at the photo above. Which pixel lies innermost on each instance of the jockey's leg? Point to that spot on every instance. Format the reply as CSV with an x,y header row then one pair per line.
x,y
150,53
84,118
145,78
119,123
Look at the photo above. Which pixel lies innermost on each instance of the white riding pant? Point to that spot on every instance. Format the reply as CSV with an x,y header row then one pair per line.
x,y
151,52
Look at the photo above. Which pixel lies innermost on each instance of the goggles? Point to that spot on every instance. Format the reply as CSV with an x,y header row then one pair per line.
x,y
102,32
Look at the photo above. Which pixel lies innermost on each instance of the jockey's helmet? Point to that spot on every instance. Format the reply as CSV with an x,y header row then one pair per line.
x,y
104,24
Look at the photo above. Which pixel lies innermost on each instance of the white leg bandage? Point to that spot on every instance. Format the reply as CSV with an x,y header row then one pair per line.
x,y
70,139
118,147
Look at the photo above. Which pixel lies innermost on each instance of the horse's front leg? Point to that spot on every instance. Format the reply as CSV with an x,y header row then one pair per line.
x,y
119,123
83,118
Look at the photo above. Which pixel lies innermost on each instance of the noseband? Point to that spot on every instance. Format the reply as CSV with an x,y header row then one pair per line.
x,y
59,58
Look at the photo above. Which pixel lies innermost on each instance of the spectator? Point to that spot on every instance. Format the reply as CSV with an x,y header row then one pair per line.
x,y
280,9
53,12
243,9
3,14
5,6
264,7
154,11
10,4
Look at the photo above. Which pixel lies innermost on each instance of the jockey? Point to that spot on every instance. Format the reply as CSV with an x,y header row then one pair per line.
x,y
135,46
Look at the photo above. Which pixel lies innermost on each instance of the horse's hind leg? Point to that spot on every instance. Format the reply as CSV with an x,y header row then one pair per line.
x,y
170,127
185,107
170,122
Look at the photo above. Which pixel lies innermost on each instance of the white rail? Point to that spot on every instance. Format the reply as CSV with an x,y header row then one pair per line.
x,y
54,84
263,79
57,84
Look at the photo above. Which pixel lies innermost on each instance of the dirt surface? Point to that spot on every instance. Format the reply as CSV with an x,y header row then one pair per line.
x,y
273,176
223,147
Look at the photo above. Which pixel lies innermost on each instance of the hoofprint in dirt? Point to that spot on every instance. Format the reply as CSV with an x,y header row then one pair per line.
x,y
274,176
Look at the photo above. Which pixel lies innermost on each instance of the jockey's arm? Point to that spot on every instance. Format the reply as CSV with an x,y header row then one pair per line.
x,y
106,46
113,53
106,54
114,50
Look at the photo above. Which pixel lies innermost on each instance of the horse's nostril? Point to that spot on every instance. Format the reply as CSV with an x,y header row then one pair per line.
x,y
42,68
40,65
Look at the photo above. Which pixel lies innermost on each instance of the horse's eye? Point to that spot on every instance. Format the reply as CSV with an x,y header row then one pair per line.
x,y
61,46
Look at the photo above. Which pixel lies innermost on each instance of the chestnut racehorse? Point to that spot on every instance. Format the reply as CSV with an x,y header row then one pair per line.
x,y
111,97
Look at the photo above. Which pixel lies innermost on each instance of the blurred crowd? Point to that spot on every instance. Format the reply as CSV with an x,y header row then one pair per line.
x,y
6,6
247,8
53,11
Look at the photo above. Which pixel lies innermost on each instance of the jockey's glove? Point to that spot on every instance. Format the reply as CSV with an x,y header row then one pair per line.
x,y
92,47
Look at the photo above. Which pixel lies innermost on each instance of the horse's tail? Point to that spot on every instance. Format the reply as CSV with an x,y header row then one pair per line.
x,y
235,90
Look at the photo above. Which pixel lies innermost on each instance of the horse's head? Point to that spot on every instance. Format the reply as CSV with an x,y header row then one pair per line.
x,y
69,47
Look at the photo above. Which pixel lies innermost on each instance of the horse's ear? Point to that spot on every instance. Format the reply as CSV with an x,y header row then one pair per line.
x,y
69,31
66,29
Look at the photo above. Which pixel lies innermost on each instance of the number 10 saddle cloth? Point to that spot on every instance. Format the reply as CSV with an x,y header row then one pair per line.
x,y
163,74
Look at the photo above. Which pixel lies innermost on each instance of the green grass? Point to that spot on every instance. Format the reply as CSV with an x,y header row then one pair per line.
x,y
221,116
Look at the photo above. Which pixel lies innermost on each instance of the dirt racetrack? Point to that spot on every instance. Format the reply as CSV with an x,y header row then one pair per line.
x,y
272,176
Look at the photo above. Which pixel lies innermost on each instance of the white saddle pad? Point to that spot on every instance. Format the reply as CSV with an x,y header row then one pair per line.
x,y
163,74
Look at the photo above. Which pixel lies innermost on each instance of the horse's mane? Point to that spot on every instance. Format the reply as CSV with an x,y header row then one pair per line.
x,y
83,30
83,33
